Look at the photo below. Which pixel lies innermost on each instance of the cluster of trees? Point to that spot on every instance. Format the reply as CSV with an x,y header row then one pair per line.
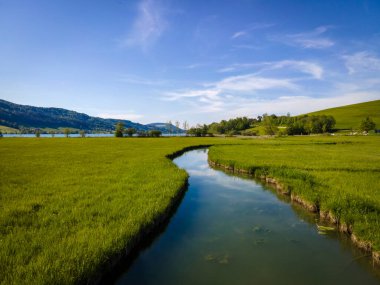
x,y
270,124
151,133
232,126
199,131
120,131
276,120
310,125
241,125
66,132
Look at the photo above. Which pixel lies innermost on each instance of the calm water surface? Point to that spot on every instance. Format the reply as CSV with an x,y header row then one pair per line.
x,y
230,230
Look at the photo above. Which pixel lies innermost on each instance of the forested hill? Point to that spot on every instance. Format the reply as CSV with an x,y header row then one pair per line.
x,y
29,117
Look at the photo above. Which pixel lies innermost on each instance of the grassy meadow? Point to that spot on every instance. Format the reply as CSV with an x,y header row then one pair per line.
x,y
350,116
340,175
67,206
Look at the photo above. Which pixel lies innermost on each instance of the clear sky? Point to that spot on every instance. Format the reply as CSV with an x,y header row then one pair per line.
x,y
200,61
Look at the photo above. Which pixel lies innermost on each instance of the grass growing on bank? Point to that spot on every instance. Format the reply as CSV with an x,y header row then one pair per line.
x,y
340,175
69,205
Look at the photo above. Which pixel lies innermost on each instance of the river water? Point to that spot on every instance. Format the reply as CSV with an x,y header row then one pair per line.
x,y
232,230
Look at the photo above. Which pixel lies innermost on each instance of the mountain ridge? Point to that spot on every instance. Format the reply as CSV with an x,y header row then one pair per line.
x,y
26,117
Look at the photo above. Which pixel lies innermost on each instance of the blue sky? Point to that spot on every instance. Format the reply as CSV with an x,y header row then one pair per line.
x,y
200,61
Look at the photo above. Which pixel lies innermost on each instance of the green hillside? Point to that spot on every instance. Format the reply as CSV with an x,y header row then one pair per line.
x,y
350,116
23,118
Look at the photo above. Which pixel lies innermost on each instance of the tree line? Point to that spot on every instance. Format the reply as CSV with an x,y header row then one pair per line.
x,y
273,124
120,131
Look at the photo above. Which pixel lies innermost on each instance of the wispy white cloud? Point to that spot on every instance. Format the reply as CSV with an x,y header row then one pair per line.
x,y
363,61
238,34
240,84
255,93
311,40
210,93
312,68
217,96
252,27
252,83
194,65
148,26
297,105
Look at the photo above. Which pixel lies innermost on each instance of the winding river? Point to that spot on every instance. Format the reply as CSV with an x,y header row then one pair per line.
x,y
232,230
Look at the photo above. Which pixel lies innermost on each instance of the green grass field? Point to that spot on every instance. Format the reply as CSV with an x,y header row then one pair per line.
x,y
350,116
340,175
69,205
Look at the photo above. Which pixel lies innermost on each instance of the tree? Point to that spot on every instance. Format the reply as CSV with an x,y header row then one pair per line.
x,y
119,130
130,131
269,125
295,128
310,125
82,133
66,132
37,133
367,124
155,133
328,123
198,131
204,130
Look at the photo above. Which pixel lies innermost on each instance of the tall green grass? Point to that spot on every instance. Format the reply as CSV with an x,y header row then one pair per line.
x,y
68,206
339,175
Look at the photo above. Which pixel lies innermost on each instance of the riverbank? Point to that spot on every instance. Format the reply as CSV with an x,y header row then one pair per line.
x,y
321,175
228,226
71,207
